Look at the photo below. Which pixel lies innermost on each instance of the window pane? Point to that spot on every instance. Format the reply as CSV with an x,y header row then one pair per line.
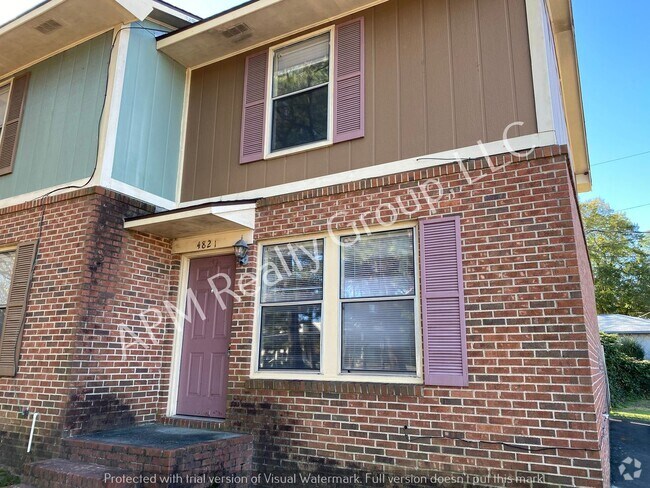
x,y
378,265
4,100
290,337
293,272
299,119
301,65
6,270
378,336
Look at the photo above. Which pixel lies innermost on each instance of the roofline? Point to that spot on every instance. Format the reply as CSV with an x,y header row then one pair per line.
x,y
178,9
562,25
208,19
191,207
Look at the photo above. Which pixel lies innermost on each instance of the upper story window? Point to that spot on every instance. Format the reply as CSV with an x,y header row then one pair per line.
x,y
12,103
4,102
300,98
304,94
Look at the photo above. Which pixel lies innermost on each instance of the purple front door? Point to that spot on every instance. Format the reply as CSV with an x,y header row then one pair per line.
x,y
202,388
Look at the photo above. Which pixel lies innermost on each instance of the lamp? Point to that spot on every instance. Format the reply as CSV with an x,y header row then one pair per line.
x,y
241,251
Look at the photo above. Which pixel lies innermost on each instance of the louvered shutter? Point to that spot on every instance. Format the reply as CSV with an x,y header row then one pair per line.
x,y
252,127
9,141
12,330
349,81
443,310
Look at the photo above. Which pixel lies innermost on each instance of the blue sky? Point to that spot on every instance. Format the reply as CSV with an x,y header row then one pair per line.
x,y
614,56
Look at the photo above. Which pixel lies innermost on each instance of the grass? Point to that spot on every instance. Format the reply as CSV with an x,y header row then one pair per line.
x,y
8,479
637,411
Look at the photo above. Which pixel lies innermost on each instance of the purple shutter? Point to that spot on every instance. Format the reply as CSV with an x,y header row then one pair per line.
x,y
443,308
252,125
348,81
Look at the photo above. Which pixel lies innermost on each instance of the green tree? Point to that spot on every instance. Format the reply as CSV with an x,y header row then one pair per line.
x,y
620,259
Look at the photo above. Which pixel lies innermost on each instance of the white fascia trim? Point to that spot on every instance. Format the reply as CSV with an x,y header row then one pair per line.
x,y
539,65
240,214
139,8
180,15
27,197
522,143
112,105
139,194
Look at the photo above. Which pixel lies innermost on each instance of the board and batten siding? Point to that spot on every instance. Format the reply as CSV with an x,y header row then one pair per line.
x,y
60,126
439,75
149,127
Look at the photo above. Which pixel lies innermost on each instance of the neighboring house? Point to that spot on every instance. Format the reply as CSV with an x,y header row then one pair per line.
x,y
416,296
636,328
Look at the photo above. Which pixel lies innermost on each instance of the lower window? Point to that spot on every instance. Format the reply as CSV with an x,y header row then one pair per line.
x,y
359,320
6,271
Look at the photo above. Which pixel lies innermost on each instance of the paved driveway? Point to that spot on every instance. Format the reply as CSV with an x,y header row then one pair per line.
x,y
630,445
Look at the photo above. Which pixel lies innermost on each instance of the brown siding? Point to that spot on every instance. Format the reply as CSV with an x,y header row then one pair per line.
x,y
440,74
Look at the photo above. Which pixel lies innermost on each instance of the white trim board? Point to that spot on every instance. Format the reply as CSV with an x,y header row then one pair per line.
x,y
139,194
111,109
521,143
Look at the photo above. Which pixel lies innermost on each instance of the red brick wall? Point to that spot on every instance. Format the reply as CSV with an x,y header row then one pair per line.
x,y
529,329
90,277
596,354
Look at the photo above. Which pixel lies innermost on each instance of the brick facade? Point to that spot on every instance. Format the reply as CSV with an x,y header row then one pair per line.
x,y
535,399
531,333
90,277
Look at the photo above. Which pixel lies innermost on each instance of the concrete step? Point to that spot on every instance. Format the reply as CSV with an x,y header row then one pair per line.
x,y
63,473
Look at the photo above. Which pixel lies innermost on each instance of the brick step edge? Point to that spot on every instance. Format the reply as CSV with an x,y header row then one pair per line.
x,y
63,473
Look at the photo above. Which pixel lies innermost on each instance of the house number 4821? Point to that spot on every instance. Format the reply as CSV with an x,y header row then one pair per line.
x,y
204,244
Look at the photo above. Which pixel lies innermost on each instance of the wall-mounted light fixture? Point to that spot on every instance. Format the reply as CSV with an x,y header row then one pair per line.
x,y
241,251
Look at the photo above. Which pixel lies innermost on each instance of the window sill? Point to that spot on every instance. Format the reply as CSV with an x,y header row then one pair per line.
x,y
297,149
344,378
319,386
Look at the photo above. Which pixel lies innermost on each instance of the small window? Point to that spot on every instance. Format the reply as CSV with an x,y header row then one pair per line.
x,y
291,306
6,271
300,95
378,303
4,102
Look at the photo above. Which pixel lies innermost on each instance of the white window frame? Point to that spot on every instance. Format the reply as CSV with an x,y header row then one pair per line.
x,y
331,333
10,84
268,116
3,250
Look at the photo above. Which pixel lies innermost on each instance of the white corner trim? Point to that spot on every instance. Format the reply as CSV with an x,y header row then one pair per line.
x,y
112,105
521,143
183,134
27,197
539,64
137,193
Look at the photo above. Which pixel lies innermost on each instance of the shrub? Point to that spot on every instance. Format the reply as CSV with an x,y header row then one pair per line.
x,y
629,378
632,348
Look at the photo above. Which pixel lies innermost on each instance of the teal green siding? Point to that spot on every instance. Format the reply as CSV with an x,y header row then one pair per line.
x,y
60,126
148,133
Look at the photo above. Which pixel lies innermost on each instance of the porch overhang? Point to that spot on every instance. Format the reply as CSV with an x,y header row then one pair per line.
x,y
196,221
221,36
561,17
55,25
